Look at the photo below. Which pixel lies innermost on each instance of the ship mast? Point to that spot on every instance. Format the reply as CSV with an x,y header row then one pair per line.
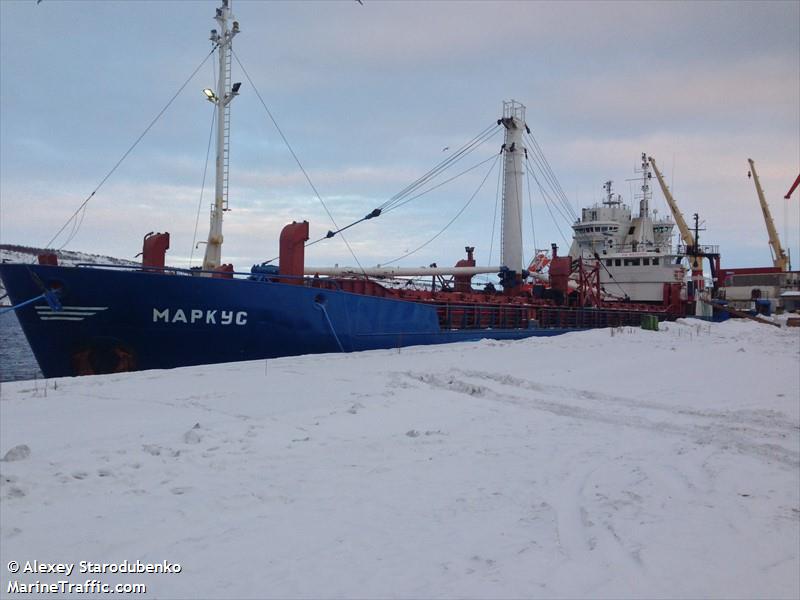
x,y
644,231
221,98
644,203
514,152
611,198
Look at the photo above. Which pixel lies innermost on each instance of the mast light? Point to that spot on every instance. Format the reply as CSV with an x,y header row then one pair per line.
x,y
210,95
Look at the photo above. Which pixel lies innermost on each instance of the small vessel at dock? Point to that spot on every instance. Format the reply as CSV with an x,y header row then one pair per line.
x,y
635,253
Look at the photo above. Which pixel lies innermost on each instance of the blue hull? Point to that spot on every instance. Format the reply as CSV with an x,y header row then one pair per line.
x,y
119,320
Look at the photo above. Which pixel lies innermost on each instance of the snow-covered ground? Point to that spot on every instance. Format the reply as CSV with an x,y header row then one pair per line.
x,y
609,463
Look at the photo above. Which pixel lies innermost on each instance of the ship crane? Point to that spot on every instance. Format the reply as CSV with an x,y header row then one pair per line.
x,y
793,188
695,255
683,227
779,258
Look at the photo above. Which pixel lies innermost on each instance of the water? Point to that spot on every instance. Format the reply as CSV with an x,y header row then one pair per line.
x,y
16,359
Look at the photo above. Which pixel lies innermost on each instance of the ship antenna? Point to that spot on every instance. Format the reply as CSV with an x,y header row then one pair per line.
x,y
611,198
222,97
644,204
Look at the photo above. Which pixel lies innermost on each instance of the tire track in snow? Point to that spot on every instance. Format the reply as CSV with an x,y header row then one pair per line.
x,y
722,429
769,419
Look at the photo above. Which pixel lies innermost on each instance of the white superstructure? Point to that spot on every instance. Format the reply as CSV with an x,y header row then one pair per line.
x,y
635,252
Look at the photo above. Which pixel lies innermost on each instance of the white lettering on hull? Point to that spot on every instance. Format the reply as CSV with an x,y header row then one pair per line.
x,y
196,315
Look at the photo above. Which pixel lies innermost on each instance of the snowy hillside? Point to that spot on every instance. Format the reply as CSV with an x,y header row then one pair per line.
x,y
608,463
25,254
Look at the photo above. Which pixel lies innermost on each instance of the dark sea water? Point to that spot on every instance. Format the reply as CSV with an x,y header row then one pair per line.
x,y
16,359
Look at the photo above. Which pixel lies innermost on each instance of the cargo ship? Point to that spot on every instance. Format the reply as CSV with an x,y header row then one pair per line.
x,y
94,319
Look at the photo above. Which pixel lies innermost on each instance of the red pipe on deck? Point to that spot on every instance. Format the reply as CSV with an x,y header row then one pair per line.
x,y
154,249
292,250
48,258
464,282
223,272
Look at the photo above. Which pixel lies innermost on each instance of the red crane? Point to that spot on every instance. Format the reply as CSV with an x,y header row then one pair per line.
x,y
793,188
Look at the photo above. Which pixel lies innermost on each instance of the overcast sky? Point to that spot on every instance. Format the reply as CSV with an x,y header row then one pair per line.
x,y
369,96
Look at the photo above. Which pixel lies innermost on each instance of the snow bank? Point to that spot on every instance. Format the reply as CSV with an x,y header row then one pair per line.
x,y
609,463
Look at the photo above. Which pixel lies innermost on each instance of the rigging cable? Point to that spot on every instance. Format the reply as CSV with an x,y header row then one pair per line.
x,y
203,185
476,142
562,205
377,212
494,218
466,149
546,203
548,194
458,214
552,177
76,224
296,159
533,229
82,208
563,209
438,185
599,260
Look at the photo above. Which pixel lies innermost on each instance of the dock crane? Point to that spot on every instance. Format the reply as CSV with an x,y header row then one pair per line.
x,y
692,250
793,188
779,258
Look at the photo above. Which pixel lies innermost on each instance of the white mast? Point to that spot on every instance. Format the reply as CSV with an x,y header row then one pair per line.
x,y
645,221
221,98
644,203
514,153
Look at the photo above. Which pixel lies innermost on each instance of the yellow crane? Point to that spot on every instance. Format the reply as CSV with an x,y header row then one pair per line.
x,y
683,228
779,257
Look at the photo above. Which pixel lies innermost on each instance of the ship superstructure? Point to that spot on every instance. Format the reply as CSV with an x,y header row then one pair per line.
x,y
635,253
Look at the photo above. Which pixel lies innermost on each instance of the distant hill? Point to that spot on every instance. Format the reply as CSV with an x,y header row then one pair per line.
x,y
15,253
28,254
